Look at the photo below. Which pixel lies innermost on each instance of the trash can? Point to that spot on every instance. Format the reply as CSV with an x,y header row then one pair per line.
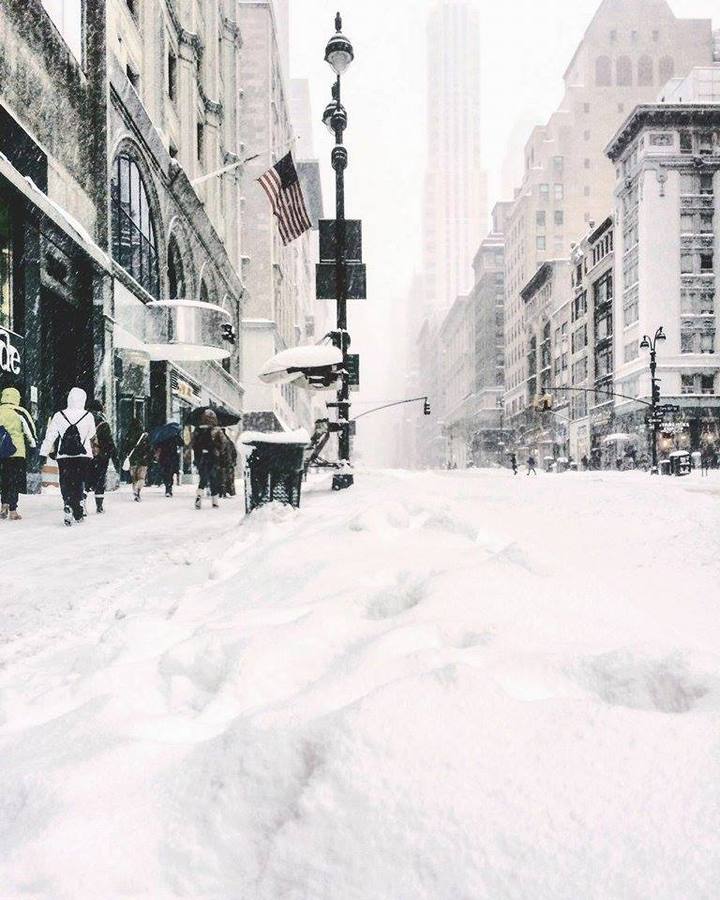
x,y
561,464
548,463
274,468
680,462
664,467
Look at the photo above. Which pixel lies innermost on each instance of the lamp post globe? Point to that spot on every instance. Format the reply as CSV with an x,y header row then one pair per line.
x,y
339,51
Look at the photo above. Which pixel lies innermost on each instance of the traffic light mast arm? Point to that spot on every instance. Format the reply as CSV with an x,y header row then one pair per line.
x,y
388,405
554,387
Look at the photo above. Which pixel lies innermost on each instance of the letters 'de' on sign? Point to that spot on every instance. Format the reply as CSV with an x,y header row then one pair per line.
x,y
9,354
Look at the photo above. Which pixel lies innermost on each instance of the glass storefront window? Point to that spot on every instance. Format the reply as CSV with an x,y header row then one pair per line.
x,y
6,269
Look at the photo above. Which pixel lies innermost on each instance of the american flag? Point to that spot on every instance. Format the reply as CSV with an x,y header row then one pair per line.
x,y
282,186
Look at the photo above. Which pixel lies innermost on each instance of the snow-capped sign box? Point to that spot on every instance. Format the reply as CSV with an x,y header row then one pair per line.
x,y
300,436
293,363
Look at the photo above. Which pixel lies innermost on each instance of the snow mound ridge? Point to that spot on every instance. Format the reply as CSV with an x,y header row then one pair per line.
x,y
386,516
622,679
407,592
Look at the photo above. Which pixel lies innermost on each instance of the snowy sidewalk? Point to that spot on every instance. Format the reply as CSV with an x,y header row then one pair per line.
x,y
435,685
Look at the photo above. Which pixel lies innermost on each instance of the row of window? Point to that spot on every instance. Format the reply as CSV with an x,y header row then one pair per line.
x,y
541,217
697,383
624,71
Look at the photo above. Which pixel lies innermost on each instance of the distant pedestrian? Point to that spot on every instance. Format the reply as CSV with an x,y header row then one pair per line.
x,y
585,462
513,463
17,435
168,457
68,439
705,462
138,456
228,460
104,450
531,465
207,442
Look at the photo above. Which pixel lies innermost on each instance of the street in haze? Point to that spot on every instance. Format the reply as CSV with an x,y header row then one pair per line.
x,y
422,691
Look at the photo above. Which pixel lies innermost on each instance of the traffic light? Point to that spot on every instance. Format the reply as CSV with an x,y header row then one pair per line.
x,y
426,407
228,332
655,391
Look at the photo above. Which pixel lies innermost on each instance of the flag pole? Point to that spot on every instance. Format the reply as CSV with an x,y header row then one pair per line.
x,y
239,162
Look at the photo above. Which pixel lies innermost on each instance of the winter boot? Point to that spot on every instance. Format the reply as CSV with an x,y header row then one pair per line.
x,y
4,511
168,492
198,500
99,504
136,492
14,515
215,502
68,516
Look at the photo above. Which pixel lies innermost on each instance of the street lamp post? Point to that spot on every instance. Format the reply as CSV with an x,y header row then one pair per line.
x,y
650,344
339,54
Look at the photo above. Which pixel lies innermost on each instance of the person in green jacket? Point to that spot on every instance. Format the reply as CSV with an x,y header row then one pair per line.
x,y
17,434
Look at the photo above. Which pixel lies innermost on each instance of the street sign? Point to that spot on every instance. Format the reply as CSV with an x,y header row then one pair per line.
x,y
668,408
353,240
352,364
326,283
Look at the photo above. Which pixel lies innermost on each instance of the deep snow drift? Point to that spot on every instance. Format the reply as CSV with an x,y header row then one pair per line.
x,y
438,685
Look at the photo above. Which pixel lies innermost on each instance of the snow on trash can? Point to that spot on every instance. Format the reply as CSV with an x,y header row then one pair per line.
x,y
680,462
561,464
274,467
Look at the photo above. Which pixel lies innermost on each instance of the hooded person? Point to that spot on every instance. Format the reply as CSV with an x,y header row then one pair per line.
x,y
69,440
104,450
207,445
17,435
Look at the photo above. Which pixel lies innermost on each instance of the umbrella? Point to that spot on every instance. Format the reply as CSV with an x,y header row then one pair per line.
x,y
224,416
166,432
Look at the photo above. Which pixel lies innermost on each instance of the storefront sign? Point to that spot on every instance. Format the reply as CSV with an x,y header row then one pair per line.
x,y
10,360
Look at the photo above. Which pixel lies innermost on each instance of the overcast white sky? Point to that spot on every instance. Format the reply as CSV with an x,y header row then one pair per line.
x,y
525,48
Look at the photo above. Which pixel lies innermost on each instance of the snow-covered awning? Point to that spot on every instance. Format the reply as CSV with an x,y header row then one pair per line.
x,y
299,436
313,366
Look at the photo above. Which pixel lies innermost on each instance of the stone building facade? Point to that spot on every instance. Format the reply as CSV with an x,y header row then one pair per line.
x,y
629,51
667,158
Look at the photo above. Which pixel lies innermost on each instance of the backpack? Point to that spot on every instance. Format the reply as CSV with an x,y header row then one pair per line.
x,y
7,447
70,443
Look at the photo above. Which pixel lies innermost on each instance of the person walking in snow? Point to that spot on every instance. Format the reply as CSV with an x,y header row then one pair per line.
x,y
138,457
17,434
168,457
531,465
228,460
207,441
513,463
69,440
104,450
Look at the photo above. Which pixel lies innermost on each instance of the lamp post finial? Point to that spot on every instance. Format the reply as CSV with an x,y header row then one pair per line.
x,y
338,23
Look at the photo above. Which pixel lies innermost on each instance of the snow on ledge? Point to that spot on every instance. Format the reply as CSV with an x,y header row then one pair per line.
x,y
300,436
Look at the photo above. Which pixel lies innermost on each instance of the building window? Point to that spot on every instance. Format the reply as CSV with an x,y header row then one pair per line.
x,y
687,263
67,16
200,142
544,191
558,164
559,217
6,269
603,289
586,190
133,231
540,218
706,263
666,69
687,223
172,76
586,108
631,351
603,366
579,339
686,143
586,135
656,36
707,384
631,309
687,384
624,71
559,192
176,272
706,185
603,71
540,242
645,71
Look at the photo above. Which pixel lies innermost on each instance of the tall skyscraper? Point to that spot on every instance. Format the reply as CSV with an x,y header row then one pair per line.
x,y
455,215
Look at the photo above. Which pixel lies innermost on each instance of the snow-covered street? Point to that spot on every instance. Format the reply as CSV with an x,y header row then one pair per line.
x,y
435,685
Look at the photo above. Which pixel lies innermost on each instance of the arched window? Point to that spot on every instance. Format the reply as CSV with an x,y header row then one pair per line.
x,y
603,71
176,272
133,232
624,71
204,292
666,69
645,71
